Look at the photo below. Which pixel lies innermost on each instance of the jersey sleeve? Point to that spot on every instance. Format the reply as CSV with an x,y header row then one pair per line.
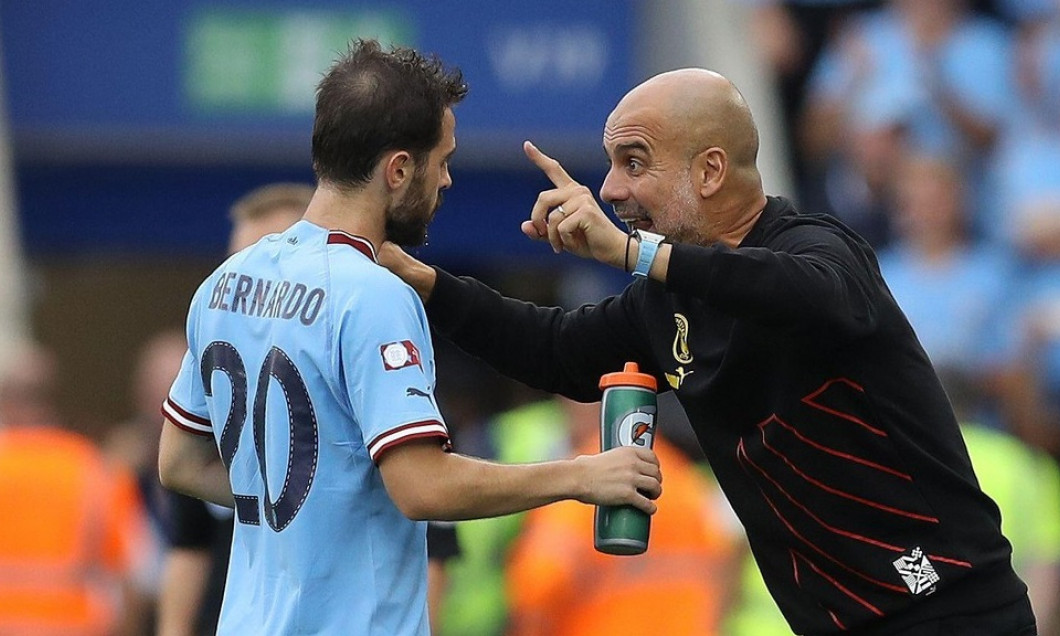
x,y
185,405
387,361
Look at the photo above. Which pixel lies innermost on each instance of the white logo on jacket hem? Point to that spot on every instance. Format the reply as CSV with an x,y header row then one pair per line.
x,y
917,571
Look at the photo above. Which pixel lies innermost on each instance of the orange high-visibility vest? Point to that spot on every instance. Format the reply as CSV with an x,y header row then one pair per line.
x,y
71,533
559,585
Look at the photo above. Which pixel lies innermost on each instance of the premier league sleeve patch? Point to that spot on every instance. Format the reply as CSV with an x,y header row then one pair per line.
x,y
398,355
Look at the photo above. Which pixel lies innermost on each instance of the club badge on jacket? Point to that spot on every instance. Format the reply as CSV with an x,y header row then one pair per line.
x,y
681,352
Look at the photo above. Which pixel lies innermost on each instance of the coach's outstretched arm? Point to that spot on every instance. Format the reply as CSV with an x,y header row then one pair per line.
x,y
427,483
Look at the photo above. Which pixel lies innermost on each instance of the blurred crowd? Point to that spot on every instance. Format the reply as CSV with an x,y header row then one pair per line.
x,y
932,127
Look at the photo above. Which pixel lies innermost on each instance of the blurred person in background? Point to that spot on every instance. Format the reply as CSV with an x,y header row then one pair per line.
x,y
855,181
477,601
1025,15
268,209
790,35
941,69
1028,169
75,550
1028,164
201,532
559,585
134,443
1025,483
953,288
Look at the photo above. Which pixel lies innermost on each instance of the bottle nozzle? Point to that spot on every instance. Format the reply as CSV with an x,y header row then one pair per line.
x,y
630,375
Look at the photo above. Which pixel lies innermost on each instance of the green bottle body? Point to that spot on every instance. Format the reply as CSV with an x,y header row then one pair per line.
x,y
627,418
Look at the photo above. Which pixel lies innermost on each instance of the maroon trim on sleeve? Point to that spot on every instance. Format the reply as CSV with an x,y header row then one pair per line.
x,y
187,429
183,413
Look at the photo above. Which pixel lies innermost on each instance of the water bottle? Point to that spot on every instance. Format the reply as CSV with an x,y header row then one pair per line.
x,y
627,418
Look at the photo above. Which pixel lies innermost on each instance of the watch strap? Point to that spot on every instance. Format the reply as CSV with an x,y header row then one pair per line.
x,y
649,247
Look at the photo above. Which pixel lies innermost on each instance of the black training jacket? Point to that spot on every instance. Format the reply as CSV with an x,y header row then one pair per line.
x,y
819,411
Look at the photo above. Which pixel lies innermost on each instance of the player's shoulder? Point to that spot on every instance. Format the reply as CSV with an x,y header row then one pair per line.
x,y
206,287
355,270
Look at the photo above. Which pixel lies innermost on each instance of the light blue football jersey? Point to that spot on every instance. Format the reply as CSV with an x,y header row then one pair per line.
x,y
307,360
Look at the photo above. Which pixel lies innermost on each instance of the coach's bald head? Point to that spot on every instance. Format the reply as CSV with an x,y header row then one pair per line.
x,y
702,107
699,144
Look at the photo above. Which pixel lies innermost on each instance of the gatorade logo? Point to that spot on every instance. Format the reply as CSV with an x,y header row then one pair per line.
x,y
637,429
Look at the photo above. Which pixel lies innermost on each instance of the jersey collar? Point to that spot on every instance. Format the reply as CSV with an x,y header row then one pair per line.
x,y
359,243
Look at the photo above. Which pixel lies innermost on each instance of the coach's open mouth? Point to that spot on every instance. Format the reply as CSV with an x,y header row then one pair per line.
x,y
642,223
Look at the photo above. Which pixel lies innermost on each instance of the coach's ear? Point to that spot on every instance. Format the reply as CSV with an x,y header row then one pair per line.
x,y
398,168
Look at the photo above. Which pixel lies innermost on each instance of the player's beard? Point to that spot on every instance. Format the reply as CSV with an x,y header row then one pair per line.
x,y
407,221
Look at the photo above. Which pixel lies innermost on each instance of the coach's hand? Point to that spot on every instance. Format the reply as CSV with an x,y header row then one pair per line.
x,y
569,217
628,475
416,274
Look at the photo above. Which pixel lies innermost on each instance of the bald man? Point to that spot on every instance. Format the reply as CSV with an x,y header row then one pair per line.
x,y
819,411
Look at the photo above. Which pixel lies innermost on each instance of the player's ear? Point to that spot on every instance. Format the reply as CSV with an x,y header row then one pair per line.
x,y
398,167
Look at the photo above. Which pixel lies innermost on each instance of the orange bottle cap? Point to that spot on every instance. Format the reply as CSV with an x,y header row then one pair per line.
x,y
629,376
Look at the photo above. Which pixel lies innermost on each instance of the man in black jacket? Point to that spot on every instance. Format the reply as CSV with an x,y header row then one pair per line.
x,y
820,413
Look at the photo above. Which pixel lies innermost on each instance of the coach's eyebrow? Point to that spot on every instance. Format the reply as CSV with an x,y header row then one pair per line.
x,y
627,147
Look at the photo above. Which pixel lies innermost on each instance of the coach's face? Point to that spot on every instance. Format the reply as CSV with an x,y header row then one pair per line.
x,y
407,220
649,182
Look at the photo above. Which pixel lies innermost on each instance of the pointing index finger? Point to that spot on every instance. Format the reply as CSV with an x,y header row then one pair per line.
x,y
552,168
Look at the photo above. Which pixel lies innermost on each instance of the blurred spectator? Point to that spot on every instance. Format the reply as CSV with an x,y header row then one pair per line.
x,y
266,210
135,443
1025,13
856,182
200,539
790,35
525,426
939,70
1029,219
559,585
1029,159
955,293
476,603
953,290
75,549
1025,484
754,612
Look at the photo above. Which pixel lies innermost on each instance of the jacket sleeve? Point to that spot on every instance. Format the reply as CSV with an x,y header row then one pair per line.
x,y
813,281
546,348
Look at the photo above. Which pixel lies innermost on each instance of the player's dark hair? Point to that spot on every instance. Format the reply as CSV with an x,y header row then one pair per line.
x,y
372,101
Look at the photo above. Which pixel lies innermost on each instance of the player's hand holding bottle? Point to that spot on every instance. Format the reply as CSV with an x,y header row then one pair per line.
x,y
622,476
